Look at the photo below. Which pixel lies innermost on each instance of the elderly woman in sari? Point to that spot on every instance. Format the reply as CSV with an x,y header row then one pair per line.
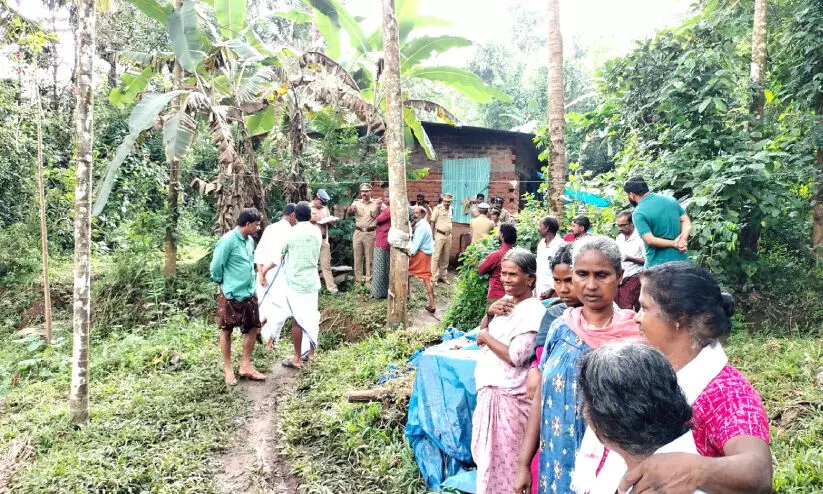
x,y
633,404
684,315
555,422
502,406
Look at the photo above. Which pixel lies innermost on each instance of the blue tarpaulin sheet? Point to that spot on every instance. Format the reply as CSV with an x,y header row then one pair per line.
x,y
440,414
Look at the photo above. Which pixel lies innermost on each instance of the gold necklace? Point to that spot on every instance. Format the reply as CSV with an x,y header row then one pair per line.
x,y
608,321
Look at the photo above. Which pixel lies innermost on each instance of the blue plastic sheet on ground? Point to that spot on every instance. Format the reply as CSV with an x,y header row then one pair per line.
x,y
392,372
452,333
440,411
463,481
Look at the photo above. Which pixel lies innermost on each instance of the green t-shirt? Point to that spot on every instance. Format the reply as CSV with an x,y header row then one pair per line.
x,y
660,216
232,265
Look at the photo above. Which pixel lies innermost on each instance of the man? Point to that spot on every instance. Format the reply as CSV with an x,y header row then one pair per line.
x,y
491,265
481,225
420,255
580,228
301,253
550,241
232,268
661,222
470,205
632,251
271,288
319,211
505,216
422,202
365,223
442,223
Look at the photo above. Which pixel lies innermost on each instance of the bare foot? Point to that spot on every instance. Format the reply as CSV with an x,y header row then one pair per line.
x,y
228,375
270,345
293,363
251,373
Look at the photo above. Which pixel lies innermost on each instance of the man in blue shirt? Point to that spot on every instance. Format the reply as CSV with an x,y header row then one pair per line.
x,y
232,268
421,252
661,222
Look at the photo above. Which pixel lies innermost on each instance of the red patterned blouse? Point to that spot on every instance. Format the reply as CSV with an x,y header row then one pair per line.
x,y
727,408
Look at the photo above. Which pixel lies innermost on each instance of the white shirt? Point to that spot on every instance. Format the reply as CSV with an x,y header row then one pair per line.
x,y
269,250
632,247
586,480
545,279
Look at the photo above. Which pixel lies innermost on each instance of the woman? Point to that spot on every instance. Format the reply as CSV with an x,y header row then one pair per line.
x,y
684,315
502,406
380,262
555,421
421,254
633,404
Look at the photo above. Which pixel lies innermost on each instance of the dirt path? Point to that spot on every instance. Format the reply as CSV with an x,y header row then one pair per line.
x,y
421,318
253,464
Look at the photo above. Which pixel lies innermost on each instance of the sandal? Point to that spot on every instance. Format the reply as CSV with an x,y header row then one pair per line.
x,y
431,309
290,365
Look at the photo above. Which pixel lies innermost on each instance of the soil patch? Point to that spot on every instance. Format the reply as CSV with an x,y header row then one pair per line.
x,y
253,463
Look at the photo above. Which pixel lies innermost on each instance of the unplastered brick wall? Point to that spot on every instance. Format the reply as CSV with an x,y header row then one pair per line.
x,y
455,144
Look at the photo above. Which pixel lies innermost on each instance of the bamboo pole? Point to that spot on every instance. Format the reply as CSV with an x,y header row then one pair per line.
x,y
44,239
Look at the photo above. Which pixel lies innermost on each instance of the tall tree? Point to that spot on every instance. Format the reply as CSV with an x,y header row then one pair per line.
x,y
758,68
751,218
84,116
170,267
557,123
399,261
41,196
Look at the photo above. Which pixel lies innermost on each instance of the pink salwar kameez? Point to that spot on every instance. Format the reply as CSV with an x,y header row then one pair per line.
x,y
499,420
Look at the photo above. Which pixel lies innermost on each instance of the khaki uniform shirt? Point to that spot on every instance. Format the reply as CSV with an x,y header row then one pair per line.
x,y
318,214
365,214
505,216
441,219
480,227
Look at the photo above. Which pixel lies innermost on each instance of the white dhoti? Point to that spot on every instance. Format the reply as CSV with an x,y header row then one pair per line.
x,y
302,307
272,301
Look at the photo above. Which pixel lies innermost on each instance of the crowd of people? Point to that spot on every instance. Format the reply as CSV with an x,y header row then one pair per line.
x,y
603,369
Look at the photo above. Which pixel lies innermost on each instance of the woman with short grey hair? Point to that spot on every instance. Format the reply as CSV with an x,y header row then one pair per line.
x,y
633,404
556,424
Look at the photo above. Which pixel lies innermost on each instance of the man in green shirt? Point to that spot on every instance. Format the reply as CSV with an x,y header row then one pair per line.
x,y
301,253
232,268
661,222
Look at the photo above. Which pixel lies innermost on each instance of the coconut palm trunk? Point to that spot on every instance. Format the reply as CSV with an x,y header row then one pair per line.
x,y
84,117
399,261
557,124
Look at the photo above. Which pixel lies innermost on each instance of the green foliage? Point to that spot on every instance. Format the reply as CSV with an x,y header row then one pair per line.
x,y
18,255
468,305
343,447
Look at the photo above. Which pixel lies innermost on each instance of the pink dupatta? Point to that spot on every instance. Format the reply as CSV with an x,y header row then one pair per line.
x,y
622,327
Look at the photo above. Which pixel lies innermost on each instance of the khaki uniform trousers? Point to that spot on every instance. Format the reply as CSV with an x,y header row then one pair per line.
x,y
363,243
325,266
440,259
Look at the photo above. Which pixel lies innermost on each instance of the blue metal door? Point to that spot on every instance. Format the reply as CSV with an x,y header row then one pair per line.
x,y
465,178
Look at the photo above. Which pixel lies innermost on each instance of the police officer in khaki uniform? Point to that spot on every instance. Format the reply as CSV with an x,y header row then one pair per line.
x,y
365,223
441,221
319,211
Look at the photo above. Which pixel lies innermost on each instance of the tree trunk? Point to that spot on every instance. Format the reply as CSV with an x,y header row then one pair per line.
x,y
84,116
752,217
44,238
170,241
758,68
399,261
817,227
557,123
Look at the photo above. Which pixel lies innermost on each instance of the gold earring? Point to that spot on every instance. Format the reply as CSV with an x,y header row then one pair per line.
x,y
677,326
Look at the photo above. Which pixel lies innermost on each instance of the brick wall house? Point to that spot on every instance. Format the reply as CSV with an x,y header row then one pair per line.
x,y
473,160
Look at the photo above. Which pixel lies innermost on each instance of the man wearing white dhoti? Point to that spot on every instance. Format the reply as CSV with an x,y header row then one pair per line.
x,y
301,254
272,287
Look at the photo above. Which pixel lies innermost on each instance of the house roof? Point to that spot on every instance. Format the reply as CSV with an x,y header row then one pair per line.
x,y
467,129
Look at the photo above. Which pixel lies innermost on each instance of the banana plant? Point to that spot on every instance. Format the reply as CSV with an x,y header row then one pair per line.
x,y
361,82
227,71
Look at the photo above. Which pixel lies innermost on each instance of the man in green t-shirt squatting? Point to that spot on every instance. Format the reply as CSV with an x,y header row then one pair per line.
x,y
661,222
